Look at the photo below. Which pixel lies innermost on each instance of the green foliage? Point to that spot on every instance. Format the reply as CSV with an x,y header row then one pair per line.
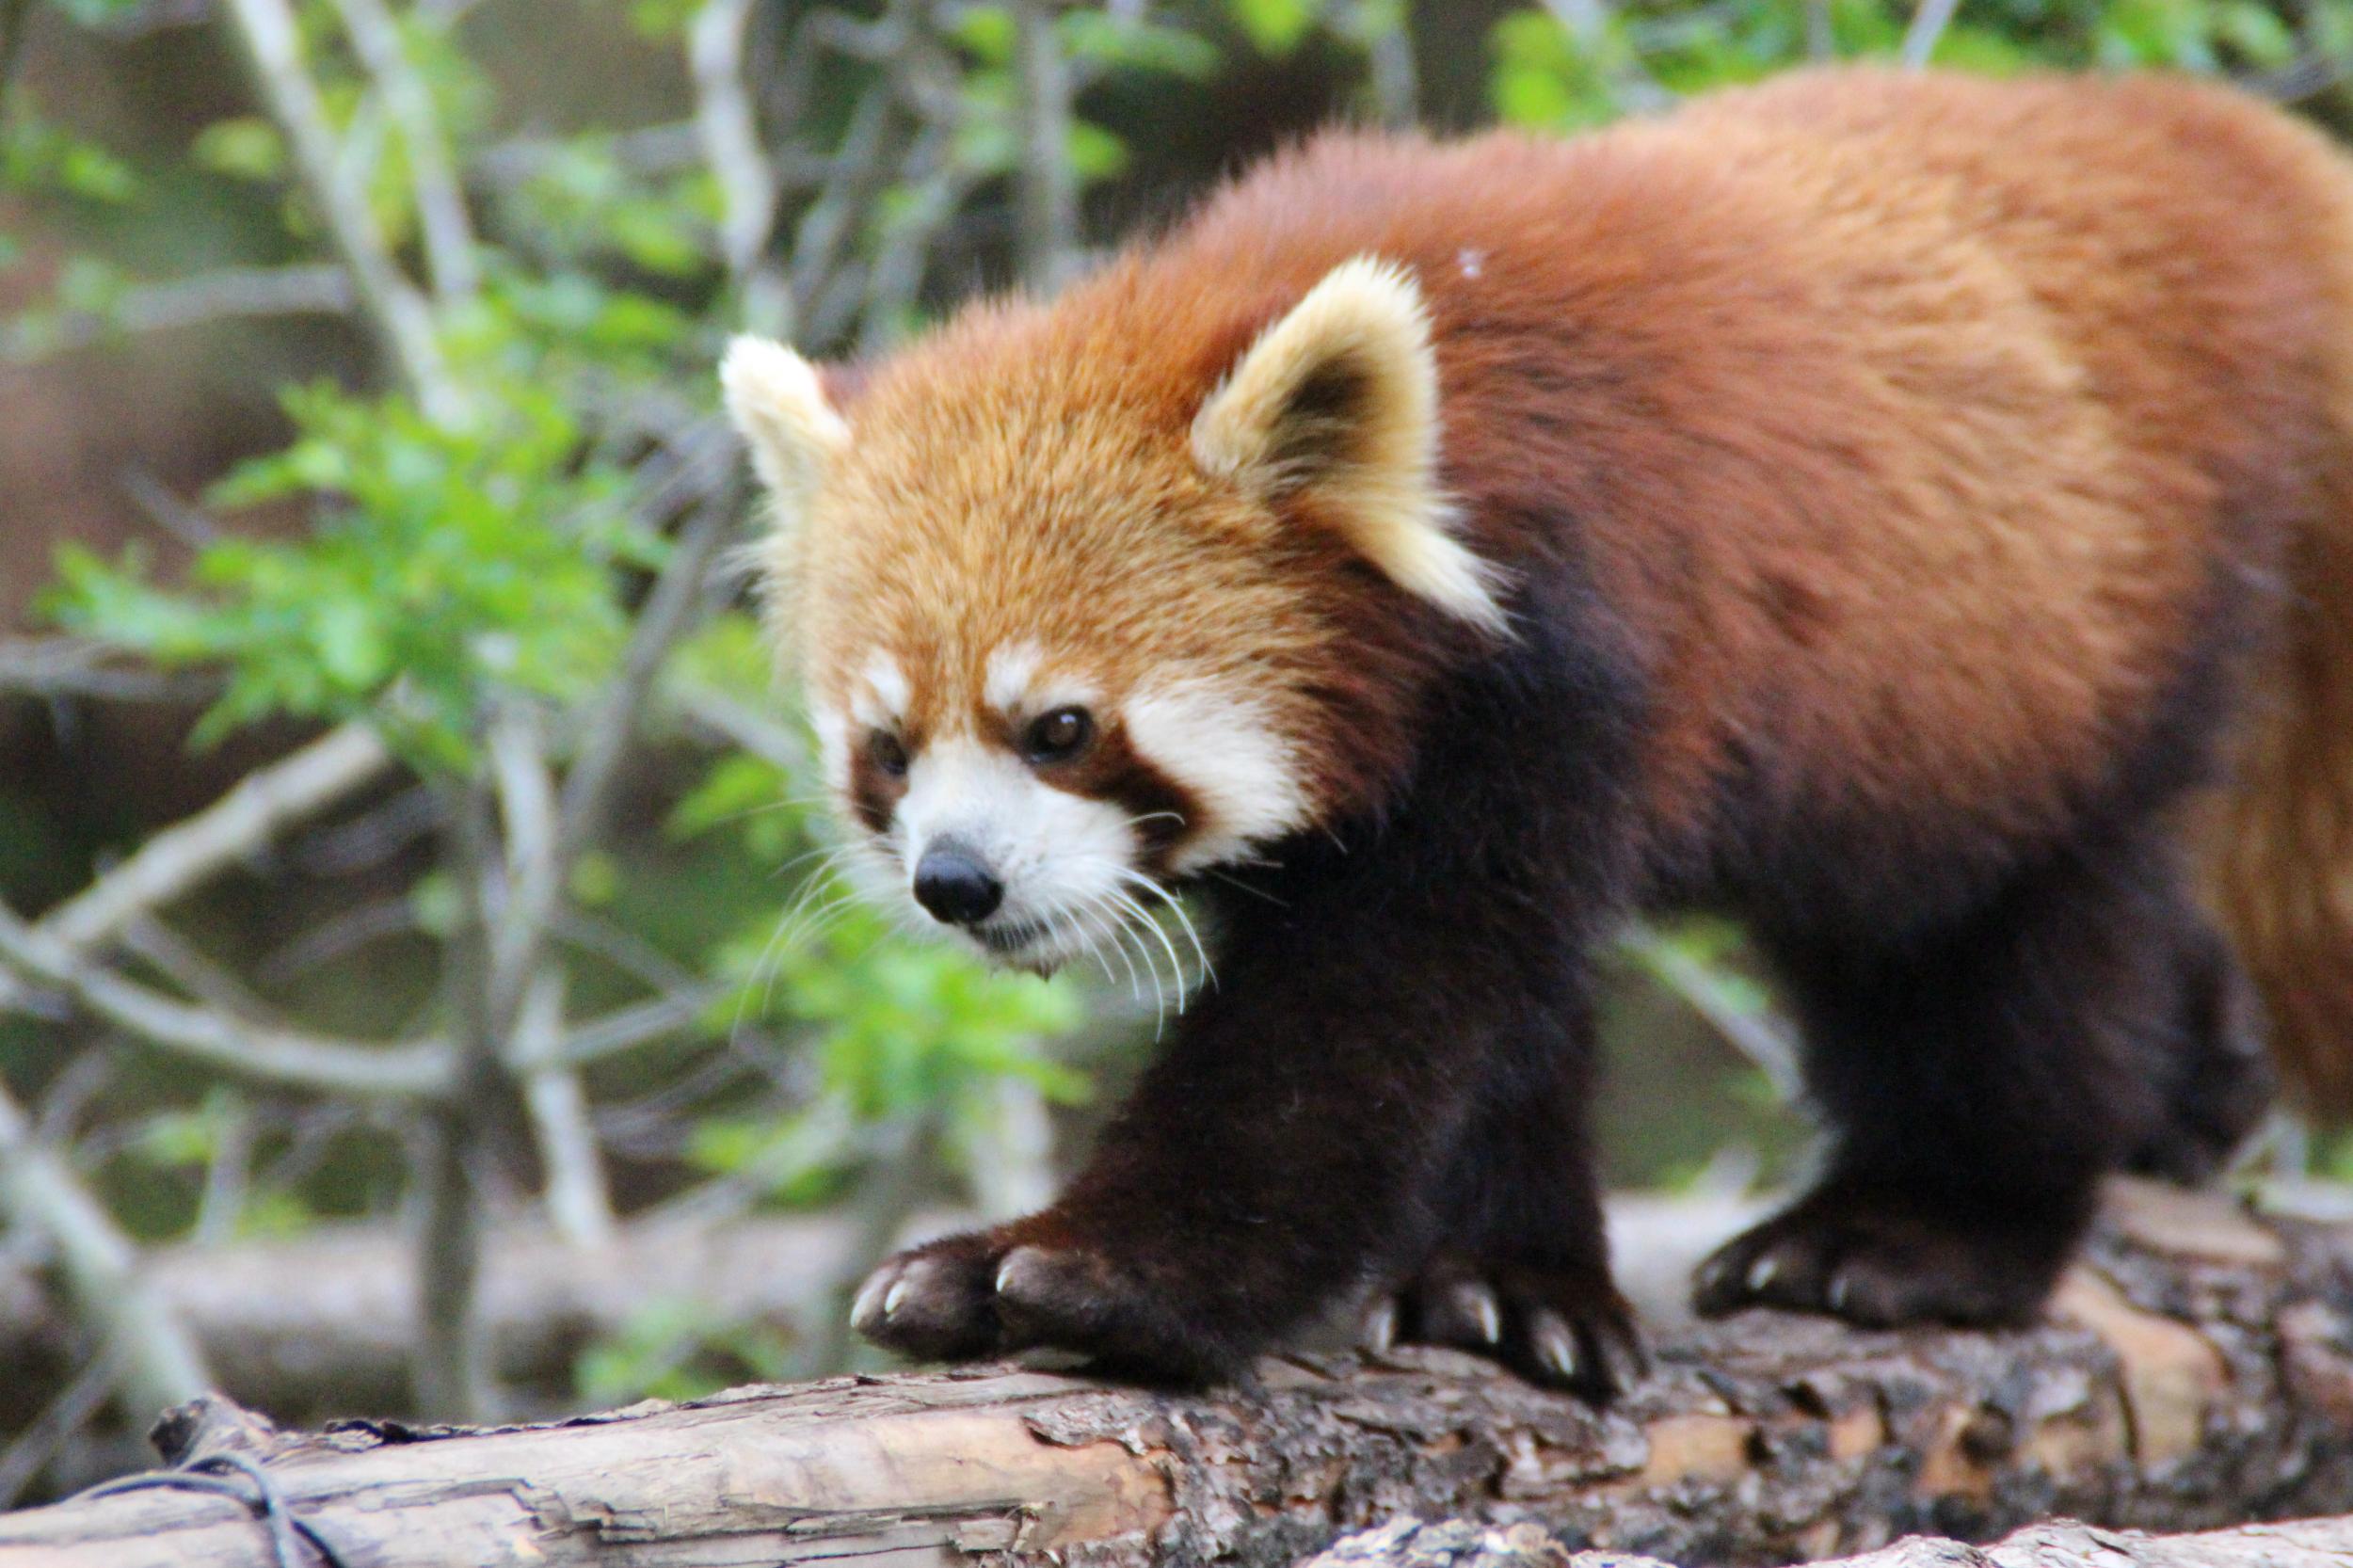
x,y
447,568
36,154
1275,28
243,147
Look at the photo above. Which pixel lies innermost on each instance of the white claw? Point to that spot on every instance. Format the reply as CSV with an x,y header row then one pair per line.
x,y
898,1293
1557,1345
1761,1273
1018,1261
1840,1289
1379,1331
870,1299
1479,1303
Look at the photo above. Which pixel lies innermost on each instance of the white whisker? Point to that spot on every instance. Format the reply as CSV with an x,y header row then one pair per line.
x,y
1184,919
1176,969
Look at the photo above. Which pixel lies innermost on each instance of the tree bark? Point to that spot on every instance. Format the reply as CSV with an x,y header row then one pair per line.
x,y
2062,1544
2198,1372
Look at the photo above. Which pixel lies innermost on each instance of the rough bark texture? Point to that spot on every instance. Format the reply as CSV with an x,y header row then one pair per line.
x,y
2198,1372
2062,1544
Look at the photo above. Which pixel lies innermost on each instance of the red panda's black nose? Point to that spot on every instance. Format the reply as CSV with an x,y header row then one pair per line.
x,y
953,886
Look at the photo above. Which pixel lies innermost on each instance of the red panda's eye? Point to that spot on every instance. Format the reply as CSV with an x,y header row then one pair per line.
x,y
889,752
1058,736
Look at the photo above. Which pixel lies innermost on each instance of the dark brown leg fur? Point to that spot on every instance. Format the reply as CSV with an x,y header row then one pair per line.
x,y
1382,1062
1287,1146
1980,1079
1521,1272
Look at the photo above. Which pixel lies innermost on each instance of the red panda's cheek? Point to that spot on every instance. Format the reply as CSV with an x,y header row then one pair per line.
x,y
1220,748
1161,813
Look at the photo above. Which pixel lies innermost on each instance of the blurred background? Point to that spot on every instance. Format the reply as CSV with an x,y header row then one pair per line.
x,y
423,991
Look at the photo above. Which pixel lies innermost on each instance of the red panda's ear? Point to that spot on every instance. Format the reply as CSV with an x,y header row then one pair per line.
x,y
778,405
1339,399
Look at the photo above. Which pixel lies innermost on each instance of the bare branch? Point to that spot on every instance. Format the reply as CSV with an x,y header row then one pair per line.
x,y
933,187
1384,28
261,805
318,1062
611,728
1927,28
69,668
745,727
160,1364
451,1371
856,173
449,239
231,294
1763,1038
267,33
180,857
638,1024
576,1197
1590,22
730,132
578,1204
1048,188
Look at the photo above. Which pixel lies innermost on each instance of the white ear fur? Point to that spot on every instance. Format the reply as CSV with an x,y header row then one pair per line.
x,y
1341,398
778,406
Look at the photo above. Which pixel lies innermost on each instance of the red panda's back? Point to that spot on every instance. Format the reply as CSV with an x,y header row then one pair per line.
x,y
1918,425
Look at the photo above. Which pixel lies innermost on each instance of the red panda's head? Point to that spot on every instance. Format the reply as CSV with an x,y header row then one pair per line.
x,y
1080,612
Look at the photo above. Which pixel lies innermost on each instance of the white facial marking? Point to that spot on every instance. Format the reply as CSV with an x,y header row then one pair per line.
x,y
1016,682
832,728
1220,745
1011,669
882,701
1061,858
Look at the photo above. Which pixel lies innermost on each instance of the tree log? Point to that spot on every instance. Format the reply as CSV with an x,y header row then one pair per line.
x,y
2062,1544
2198,1372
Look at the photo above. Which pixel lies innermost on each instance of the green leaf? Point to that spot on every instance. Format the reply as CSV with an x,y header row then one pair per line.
x,y
243,147
1275,27
987,33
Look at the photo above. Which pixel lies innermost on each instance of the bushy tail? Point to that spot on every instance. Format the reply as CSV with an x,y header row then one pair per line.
x,y
2281,854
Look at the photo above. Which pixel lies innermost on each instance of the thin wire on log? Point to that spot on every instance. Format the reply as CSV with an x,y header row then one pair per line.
x,y
288,1534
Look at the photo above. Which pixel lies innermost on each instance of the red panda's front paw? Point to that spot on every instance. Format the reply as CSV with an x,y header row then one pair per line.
x,y
1562,1328
990,1293
935,1303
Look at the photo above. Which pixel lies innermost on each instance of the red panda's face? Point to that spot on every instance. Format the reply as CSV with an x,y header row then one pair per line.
x,y
1048,683
1063,643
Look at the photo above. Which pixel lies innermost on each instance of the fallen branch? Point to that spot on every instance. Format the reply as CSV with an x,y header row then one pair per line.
x,y
2198,1370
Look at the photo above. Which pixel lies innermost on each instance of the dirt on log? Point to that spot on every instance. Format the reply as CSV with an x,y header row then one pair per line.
x,y
2198,1372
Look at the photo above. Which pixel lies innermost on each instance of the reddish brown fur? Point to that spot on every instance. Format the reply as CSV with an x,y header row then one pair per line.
x,y
1924,477
2065,344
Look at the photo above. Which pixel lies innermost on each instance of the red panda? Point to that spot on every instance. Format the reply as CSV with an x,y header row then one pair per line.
x,y
1911,513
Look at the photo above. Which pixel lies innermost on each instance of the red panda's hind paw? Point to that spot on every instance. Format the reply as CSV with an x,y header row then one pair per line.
x,y
1560,1328
1881,1263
